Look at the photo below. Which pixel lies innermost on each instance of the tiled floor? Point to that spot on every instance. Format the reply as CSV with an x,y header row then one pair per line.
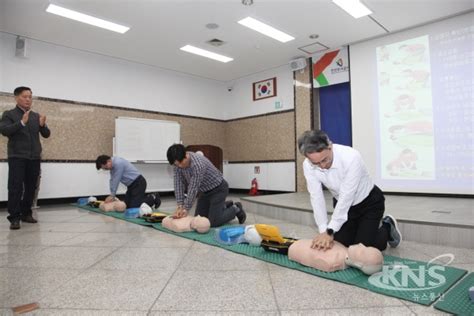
x,y
78,263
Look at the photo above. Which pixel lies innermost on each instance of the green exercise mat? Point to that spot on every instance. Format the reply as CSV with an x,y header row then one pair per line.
x,y
457,300
410,280
119,215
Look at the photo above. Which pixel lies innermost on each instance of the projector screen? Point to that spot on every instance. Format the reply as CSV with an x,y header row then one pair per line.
x,y
413,107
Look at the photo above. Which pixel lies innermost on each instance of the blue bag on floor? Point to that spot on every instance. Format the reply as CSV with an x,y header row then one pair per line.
x,y
82,201
132,212
230,235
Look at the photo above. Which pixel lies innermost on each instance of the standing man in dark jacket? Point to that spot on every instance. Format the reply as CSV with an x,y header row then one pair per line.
x,y
22,126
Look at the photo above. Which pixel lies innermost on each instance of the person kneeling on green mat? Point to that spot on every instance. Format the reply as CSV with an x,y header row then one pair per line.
x,y
121,170
359,204
195,174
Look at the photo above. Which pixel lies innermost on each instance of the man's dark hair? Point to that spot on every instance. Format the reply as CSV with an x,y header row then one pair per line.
x,y
314,141
19,90
101,160
176,152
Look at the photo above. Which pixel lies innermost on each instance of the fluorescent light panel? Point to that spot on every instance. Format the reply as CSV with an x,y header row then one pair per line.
x,y
265,29
84,18
206,53
354,7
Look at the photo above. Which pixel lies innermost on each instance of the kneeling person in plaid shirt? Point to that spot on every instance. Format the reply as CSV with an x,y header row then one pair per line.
x,y
195,174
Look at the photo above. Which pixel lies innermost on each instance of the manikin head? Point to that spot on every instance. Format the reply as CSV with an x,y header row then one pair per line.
x,y
368,259
201,224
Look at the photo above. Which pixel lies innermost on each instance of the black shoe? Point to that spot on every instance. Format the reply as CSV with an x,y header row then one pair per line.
x,y
157,200
229,203
395,236
241,216
15,225
29,219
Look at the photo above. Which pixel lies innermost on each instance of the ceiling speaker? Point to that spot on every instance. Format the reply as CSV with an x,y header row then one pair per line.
x,y
298,64
20,47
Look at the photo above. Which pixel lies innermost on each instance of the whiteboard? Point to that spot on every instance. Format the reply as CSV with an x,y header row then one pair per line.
x,y
145,140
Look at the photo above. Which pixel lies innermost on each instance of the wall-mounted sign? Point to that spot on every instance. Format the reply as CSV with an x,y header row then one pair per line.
x,y
330,68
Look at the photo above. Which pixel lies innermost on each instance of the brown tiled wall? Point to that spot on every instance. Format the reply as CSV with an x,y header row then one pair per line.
x,y
269,137
303,117
84,131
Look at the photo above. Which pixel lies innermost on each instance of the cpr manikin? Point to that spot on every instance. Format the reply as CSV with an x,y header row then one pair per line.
x,y
368,259
187,224
117,206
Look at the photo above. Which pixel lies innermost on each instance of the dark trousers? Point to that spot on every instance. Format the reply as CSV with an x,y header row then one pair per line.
x,y
211,204
135,195
22,179
363,223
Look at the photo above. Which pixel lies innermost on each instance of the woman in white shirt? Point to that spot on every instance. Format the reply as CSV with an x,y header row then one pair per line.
x,y
358,203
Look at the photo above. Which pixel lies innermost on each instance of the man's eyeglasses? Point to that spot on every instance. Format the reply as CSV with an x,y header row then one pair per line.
x,y
323,161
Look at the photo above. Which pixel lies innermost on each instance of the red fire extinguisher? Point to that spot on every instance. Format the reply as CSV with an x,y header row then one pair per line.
x,y
254,187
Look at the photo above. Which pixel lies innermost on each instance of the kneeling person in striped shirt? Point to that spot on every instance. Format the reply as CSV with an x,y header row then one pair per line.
x,y
195,174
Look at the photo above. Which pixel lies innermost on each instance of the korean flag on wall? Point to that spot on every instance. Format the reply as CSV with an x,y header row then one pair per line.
x,y
264,89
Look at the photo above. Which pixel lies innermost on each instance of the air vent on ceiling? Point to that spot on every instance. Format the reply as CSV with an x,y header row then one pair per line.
x,y
313,48
216,42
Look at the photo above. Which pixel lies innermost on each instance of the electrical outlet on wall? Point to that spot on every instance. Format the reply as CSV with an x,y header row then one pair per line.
x,y
278,105
256,170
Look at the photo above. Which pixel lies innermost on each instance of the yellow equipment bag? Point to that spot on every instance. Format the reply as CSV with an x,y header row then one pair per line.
x,y
272,240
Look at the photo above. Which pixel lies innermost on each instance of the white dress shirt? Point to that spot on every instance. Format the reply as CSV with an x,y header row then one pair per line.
x,y
347,180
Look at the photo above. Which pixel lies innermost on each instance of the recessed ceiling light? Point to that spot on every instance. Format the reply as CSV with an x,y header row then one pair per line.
x,y
265,29
354,7
84,18
206,53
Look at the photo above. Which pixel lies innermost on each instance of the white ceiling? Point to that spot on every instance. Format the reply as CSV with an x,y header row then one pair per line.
x,y
160,27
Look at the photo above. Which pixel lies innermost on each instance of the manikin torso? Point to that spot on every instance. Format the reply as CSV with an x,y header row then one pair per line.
x,y
329,260
117,206
187,224
339,257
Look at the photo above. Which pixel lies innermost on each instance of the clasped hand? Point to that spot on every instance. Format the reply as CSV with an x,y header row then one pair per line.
x,y
322,242
26,117
109,199
180,212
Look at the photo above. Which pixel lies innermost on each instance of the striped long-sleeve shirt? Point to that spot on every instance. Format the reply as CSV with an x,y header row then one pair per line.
x,y
200,176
